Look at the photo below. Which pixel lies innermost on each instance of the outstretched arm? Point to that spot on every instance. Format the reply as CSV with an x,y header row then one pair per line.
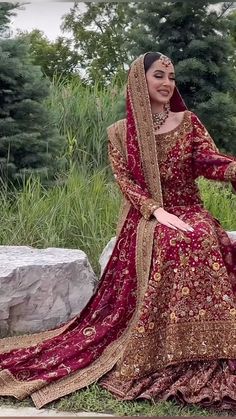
x,y
207,160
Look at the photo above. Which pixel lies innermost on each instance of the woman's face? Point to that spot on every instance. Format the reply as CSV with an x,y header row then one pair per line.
x,y
161,81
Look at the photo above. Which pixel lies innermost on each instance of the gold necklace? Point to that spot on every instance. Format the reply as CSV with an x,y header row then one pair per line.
x,y
160,118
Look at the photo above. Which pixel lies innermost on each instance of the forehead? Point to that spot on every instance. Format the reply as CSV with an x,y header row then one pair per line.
x,y
162,65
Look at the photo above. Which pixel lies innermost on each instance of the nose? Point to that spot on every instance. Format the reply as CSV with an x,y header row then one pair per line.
x,y
166,81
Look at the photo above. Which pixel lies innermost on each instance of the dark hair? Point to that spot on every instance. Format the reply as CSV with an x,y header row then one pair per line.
x,y
150,58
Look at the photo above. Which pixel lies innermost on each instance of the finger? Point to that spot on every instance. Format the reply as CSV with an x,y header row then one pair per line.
x,y
167,224
180,228
171,226
181,224
186,227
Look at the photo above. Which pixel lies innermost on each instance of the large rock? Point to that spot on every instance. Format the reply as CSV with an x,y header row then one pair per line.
x,y
232,235
107,251
42,288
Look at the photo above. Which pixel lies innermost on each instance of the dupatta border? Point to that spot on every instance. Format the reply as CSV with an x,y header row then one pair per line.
x,y
113,353
141,109
24,341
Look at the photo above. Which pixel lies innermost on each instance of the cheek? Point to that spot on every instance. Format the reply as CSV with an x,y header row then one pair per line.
x,y
153,85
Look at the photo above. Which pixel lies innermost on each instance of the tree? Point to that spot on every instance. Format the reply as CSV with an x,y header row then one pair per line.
x,y
232,29
193,33
6,11
197,40
99,36
55,58
29,140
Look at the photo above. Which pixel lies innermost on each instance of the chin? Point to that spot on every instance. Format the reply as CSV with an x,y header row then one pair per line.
x,y
162,101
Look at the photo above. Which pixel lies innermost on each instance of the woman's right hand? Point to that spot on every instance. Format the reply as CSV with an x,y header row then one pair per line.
x,y
171,220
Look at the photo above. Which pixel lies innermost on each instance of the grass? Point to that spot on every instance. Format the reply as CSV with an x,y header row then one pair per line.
x,y
96,399
220,200
81,212
82,114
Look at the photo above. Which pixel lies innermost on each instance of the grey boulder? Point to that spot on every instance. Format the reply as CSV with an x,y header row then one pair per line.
x,y
42,288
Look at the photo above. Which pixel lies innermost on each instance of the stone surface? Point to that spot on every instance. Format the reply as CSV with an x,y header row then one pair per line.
x,y
32,411
232,235
107,251
42,288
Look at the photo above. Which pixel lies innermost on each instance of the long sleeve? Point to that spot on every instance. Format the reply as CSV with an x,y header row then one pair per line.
x,y
139,198
207,160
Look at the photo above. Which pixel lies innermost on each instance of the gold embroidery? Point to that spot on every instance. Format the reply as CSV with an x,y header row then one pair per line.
x,y
128,187
148,207
216,266
185,291
113,353
157,276
25,341
117,136
138,92
230,173
179,342
11,387
89,331
166,141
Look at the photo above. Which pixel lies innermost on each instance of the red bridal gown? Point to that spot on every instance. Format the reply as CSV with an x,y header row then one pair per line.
x,y
187,326
184,335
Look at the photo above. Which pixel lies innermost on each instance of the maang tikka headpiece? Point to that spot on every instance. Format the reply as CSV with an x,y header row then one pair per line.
x,y
165,60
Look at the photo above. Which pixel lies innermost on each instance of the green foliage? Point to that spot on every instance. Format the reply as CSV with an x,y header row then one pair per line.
x,y
220,200
80,212
232,34
197,40
83,114
29,139
6,12
99,36
55,58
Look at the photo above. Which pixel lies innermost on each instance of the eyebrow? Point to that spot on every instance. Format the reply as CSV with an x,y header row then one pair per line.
x,y
163,72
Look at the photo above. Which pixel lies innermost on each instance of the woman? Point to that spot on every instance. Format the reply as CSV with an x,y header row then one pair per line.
x,y
162,321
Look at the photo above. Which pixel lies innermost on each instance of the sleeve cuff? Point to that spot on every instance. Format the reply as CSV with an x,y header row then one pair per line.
x,y
148,207
230,173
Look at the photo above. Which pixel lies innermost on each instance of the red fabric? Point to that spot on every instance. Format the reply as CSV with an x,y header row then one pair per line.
x,y
109,311
176,102
192,282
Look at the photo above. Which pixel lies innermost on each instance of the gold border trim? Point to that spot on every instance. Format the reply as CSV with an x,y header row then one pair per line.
x,y
25,341
230,173
138,93
10,386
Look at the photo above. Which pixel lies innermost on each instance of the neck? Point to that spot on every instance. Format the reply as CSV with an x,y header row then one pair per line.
x,y
157,108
